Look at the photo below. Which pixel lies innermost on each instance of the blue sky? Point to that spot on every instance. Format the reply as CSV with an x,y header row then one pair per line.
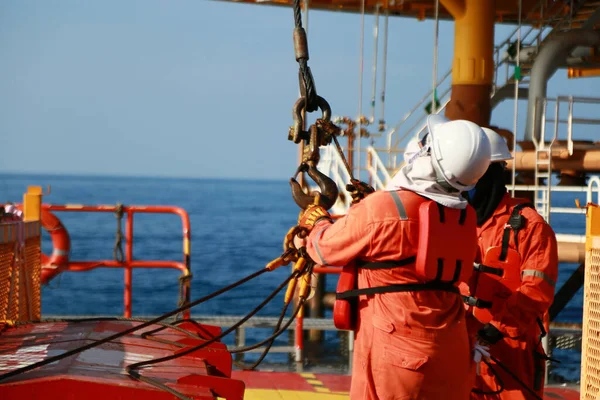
x,y
191,88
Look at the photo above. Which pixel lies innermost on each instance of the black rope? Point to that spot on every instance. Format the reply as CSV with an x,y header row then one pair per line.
x,y
118,254
152,381
279,332
136,375
515,377
174,325
498,379
276,332
184,285
271,341
131,367
163,325
132,329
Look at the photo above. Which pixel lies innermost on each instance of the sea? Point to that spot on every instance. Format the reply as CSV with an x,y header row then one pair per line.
x,y
237,227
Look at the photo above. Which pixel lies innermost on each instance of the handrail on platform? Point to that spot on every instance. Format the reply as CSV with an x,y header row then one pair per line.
x,y
128,263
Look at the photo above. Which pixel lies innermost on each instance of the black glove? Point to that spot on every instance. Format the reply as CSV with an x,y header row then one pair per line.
x,y
358,190
489,334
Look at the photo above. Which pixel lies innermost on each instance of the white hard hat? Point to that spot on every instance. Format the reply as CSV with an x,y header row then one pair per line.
x,y
460,151
500,150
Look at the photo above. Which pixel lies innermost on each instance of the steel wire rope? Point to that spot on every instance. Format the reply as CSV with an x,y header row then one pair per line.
x,y
436,35
307,84
375,59
517,78
384,70
360,85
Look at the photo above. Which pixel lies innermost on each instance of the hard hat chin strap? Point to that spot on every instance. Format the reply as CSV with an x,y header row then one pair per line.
x,y
440,180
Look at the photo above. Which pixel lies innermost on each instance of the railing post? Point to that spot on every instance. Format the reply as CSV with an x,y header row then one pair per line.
x,y
370,164
128,260
187,257
299,339
594,180
570,127
32,203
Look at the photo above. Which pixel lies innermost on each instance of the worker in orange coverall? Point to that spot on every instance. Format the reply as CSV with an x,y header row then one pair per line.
x,y
514,282
411,338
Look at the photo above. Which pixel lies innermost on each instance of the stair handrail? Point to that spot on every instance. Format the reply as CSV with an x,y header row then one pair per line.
x,y
421,119
544,30
419,105
375,166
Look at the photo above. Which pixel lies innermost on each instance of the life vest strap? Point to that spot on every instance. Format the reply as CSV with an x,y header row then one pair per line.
x,y
515,222
475,302
488,270
385,264
407,287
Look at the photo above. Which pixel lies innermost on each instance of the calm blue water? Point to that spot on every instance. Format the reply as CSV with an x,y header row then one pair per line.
x,y
237,227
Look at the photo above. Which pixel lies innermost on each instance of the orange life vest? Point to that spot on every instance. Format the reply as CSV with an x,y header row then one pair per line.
x,y
498,275
447,245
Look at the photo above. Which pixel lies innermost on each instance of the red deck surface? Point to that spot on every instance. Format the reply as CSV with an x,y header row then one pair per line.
x,y
100,372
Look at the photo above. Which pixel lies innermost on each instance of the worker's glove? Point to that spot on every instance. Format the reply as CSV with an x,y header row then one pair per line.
x,y
358,190
313,214
481,351
489,334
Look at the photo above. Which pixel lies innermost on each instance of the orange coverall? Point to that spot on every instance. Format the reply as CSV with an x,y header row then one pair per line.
x,y
408,345
517,318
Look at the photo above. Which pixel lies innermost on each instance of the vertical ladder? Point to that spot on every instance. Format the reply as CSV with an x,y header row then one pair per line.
x,y
543,163
543,173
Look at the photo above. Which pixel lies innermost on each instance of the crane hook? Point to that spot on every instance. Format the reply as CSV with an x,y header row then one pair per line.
x,y
329,190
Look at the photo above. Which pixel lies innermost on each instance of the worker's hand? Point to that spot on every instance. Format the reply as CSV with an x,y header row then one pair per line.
x,y
358,190
299,242
481,351
309,218
489,334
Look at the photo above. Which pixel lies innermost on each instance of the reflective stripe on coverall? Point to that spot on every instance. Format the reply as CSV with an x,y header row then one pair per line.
x,y
408,345
516,319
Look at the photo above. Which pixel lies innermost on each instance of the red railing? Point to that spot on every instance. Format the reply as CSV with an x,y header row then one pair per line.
x,y
128,263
